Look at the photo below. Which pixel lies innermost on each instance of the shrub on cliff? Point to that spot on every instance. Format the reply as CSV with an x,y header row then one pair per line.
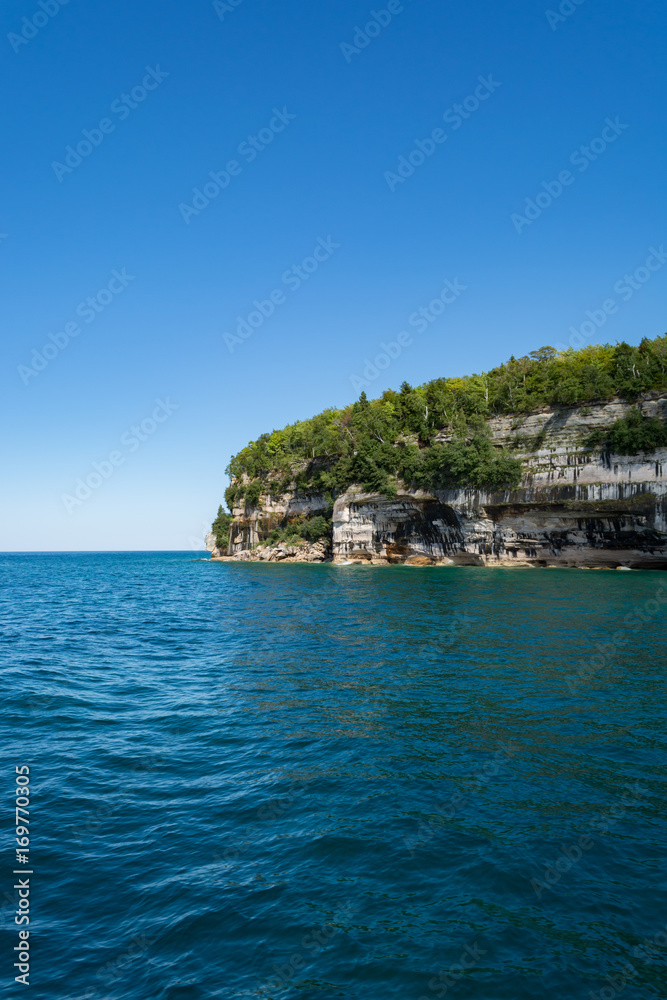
x,y
253,493
631,434
465,461
233,494
309,529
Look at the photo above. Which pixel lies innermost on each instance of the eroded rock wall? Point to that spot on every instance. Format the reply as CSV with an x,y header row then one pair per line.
x,y
574,507
250,528
568,525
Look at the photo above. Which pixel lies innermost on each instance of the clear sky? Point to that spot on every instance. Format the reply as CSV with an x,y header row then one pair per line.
x,y
365,155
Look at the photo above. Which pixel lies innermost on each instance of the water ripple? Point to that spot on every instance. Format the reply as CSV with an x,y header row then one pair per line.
x,y
258,781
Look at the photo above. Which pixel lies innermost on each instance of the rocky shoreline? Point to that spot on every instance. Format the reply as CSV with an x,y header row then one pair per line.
x,y
574,507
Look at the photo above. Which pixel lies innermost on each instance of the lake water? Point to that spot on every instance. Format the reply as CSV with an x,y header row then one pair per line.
x,y
308,781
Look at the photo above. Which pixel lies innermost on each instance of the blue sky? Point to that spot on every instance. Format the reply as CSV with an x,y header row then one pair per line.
x,y
169,94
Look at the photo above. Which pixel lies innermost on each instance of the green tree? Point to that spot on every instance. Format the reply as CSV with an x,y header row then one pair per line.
x,y
220,529
376,443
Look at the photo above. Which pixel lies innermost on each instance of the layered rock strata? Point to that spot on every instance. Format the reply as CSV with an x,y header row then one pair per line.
x,y
574,507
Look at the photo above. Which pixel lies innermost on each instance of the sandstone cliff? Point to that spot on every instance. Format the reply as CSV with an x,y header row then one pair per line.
x,y
576,505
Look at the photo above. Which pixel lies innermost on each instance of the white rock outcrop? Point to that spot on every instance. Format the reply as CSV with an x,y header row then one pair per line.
x,y
574,506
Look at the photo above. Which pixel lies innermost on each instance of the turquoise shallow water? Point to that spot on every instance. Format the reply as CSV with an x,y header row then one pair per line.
x,y
316,782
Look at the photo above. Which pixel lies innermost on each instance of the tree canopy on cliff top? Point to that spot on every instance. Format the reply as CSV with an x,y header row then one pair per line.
x,y
369,442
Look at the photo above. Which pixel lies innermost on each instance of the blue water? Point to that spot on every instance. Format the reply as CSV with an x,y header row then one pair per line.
x,y
316,782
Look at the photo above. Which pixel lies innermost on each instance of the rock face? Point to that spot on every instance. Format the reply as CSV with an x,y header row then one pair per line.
x,y
592,525
574,507
249,530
